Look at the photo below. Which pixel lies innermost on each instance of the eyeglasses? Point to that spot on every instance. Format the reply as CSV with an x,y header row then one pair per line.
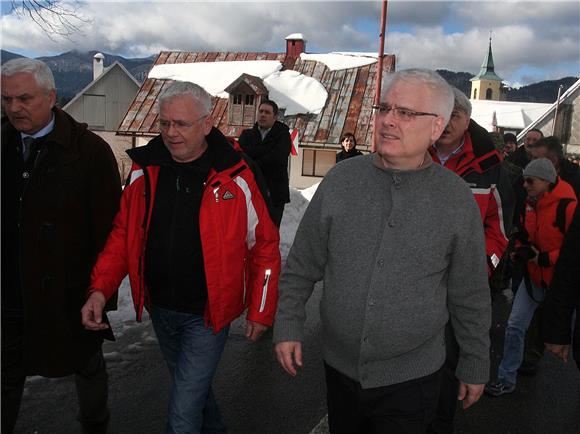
x,y
178,125
529,181
400,113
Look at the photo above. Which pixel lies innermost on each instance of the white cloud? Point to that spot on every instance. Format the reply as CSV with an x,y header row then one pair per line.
x,y
541,36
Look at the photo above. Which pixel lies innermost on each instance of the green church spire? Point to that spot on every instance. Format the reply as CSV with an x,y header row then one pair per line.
x,y
487,67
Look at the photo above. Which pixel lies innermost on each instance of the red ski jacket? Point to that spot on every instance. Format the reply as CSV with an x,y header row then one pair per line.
x,y
543,231
239,241
479,164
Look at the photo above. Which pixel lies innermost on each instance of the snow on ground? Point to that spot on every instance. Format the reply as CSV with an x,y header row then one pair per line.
x,y
295,92
342,60
124,317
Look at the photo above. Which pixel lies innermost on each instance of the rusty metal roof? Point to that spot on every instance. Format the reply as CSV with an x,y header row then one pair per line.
x,y
348,107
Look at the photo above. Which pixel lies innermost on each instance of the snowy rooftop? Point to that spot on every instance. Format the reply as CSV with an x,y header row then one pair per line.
x,y
341,60
295,92
347,109
510,115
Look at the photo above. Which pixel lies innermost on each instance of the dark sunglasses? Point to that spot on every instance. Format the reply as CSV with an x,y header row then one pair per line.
x,y
529,181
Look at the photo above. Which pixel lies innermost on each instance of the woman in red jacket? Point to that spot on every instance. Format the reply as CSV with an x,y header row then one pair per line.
x,y
550,206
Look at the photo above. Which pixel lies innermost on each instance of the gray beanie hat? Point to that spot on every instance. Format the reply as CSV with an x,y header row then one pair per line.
x,y
541,168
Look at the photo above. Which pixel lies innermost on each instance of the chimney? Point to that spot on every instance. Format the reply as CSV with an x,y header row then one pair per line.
x,y
98,65
295,44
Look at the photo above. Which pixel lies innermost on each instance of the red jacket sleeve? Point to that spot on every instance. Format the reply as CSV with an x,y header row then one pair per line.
x,y
263,264
498,218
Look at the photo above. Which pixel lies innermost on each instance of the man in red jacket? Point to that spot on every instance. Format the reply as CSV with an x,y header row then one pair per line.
x,y
468,150
194,235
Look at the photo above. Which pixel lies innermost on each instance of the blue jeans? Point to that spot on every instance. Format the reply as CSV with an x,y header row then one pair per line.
x,y
523,309
192,353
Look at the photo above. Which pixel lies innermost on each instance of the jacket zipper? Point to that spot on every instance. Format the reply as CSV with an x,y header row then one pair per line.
x,y
265,290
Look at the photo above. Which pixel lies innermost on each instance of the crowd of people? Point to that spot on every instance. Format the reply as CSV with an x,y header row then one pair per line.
x,y
449,220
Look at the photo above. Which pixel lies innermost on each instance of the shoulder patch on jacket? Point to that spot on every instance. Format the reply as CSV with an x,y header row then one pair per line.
x,y
228,195
135,175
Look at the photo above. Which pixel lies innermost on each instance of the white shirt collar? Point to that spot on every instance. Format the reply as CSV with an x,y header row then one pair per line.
x,y
42,132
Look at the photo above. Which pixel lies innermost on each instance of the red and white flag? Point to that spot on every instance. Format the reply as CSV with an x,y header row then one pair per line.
x,y
294,141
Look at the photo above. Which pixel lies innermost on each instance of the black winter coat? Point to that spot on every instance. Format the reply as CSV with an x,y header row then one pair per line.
x,y
271,156
564,294
55,231
343,155
519,157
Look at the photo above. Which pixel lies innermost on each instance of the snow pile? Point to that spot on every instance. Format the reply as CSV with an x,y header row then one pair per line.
x,y
124,317
214,77
341,60
296,92
308,193
291,90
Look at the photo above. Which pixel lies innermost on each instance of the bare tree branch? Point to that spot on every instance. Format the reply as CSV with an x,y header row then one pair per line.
x,y
57,19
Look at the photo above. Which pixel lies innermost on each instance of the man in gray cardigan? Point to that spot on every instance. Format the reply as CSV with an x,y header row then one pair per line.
x,y
416,258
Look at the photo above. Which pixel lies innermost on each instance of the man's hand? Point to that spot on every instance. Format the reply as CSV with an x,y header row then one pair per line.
x,y
254,330
92,312
289,355
469,394
562,351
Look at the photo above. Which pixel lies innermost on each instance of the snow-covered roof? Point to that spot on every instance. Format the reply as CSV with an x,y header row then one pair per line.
x,y
214,77
552,107
296,92
291,90
337,61
509,114
347,108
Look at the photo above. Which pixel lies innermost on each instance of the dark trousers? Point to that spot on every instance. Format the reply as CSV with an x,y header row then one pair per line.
x,y
91,382
276,213
399,409
449,388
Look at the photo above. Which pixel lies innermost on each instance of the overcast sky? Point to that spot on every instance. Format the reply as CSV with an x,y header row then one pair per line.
x,y
532,40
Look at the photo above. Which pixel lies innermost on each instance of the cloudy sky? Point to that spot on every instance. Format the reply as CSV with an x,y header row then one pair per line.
x,y
532,40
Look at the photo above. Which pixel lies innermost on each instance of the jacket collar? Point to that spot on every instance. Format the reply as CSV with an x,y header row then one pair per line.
x,y
478,153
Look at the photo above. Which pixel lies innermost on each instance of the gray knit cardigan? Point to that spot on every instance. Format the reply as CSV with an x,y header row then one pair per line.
x,y
400,252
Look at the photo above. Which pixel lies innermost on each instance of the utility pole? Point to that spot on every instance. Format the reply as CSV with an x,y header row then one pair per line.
x,y
380,65
557,109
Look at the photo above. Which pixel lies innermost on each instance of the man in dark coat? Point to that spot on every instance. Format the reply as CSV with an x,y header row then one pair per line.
x,y
522,155
268,144
564,297
60,192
